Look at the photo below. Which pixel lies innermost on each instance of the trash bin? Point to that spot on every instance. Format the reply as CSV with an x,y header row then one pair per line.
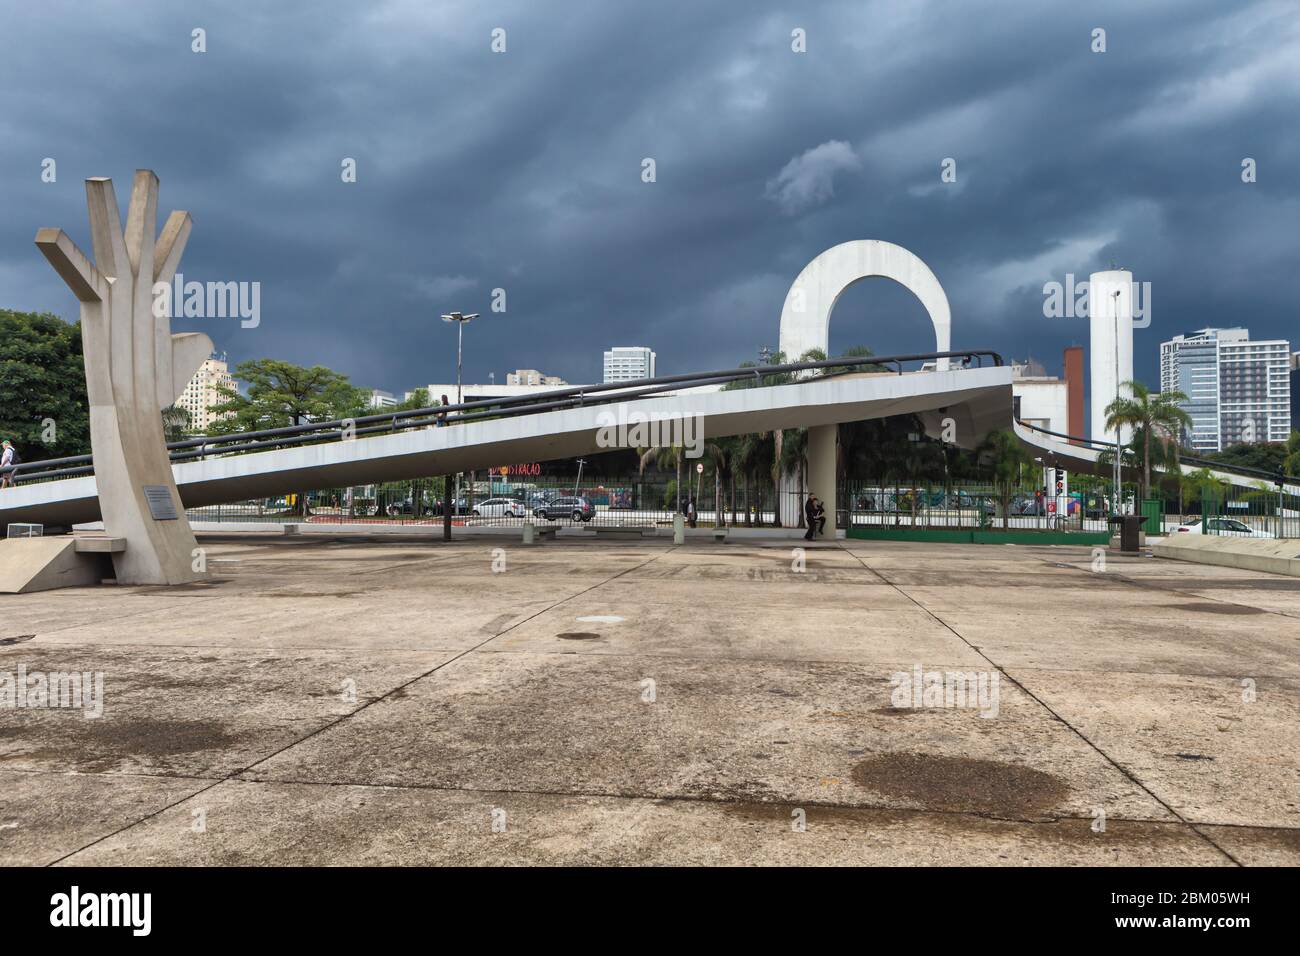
x,y
1129,528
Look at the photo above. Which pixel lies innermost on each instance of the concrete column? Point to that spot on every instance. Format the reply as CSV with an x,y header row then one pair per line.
x,y
822,443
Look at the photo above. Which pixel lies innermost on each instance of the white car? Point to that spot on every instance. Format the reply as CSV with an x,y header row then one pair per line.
x,y
1228,527
500,508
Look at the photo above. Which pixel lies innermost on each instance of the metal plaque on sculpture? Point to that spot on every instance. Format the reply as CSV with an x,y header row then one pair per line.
x,y
161,505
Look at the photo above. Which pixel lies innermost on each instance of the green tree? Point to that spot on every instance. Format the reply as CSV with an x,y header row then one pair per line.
x,y
1291,464
1266,456
43,405
176,423
1150,416
281,394
1006,460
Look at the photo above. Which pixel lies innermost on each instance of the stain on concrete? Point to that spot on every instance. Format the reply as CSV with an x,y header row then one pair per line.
x,y
578,636
21,638
1068,831
107,744
498,623
1209,607
963,784
899,711
312,594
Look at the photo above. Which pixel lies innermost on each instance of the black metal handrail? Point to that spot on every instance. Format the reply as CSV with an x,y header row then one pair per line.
x,y
1095,444
464,412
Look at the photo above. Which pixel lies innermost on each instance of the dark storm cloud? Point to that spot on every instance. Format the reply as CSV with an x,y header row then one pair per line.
x,y
522,170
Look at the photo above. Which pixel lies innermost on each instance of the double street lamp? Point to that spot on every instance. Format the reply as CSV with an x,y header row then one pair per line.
x,y
460,321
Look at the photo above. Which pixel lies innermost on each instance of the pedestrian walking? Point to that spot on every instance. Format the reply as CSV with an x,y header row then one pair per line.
x,y
9,459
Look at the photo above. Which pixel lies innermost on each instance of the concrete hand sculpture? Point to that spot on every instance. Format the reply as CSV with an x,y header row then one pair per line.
x,y
134,367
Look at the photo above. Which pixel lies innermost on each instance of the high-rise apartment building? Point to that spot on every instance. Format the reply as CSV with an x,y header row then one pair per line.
x,y
201,395
628,363
1295,390
530,376
1238,390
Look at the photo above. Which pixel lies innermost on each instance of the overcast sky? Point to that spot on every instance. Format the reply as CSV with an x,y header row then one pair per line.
x,y
522,170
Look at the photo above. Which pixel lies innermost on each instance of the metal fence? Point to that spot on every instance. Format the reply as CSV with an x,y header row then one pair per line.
x,y
631,502
651,501
1247,513
971,505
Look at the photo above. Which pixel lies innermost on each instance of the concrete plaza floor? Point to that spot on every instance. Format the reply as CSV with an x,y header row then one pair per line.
x,y
329,700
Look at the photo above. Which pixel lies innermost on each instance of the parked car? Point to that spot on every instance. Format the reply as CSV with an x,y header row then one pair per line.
x,y
1224,526
500,508
964,501
540,499
459,507
579,509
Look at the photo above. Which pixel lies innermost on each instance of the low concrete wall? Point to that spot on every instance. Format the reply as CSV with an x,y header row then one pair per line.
x,y
473,531
1277,556
977,535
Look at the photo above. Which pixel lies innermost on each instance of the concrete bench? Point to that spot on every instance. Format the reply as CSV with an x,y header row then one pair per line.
x,y
532,531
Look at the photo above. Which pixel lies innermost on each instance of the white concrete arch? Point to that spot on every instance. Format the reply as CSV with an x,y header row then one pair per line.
x,y
806,316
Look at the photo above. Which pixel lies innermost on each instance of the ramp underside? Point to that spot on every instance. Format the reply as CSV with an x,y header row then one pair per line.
x,y
977,400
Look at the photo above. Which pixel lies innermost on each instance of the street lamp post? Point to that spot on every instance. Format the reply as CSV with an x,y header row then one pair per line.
x,y
460,321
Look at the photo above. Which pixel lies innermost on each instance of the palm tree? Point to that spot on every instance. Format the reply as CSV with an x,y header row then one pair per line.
x,y
1148,415
1006,459
176,422
792,457
753,459
663,458
1204,480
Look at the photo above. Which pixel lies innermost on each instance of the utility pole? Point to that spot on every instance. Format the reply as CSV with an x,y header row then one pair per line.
x,y
577,481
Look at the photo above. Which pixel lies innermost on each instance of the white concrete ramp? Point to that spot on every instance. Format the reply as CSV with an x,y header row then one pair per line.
x,y
975,399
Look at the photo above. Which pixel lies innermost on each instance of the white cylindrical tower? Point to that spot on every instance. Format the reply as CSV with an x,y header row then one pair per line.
x,y
1110,345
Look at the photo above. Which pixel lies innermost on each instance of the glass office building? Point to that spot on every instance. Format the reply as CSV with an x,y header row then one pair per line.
x,y
1238,390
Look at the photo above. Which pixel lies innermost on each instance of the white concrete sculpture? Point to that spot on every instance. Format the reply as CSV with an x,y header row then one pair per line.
x,y
806,316
134,367
806,320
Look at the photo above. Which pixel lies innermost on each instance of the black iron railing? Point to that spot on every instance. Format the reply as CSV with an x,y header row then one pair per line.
x,y
465,412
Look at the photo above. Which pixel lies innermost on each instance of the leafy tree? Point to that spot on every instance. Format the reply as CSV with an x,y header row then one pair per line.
x,y
42,379
1291,464
1150,416
282,394
1266,456
418,399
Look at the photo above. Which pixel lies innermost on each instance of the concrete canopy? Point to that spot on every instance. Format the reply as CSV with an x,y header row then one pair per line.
x,y
806,316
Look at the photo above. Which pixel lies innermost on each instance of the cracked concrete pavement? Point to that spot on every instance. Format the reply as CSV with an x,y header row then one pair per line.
x,y
352,700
